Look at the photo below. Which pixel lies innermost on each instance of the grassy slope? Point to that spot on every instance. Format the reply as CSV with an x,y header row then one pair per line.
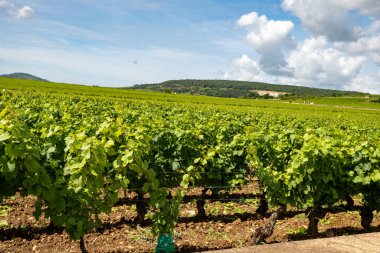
x,y
357,102
277,106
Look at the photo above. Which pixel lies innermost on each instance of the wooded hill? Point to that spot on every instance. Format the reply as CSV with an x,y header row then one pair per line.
x,y
24,76
239,89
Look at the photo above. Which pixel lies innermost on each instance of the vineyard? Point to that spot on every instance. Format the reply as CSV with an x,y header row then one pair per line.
x,y
79,153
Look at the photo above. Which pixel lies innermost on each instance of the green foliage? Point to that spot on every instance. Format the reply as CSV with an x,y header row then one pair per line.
x,y
312,167
4,211
302,231
3,224
75,148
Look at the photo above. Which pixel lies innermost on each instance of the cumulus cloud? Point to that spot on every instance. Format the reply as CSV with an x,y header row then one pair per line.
x,y
339,51
365,82
330,18
23,13
369,46
367,7
244,68
268,38
317,16
18,13
315,62
375,26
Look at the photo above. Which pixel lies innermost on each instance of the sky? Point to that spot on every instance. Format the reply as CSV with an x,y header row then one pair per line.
x,y
324,44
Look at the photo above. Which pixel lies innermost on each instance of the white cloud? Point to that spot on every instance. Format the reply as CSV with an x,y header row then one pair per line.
x,y
367,45
24,12
245,69
375,26
268,38
330,18
335,55
322,17
4,3
251,19
367,7
18,13
265,35
365,82
314,62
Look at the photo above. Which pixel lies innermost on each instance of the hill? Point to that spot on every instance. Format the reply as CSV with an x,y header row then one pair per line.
x,y
25,76
240,89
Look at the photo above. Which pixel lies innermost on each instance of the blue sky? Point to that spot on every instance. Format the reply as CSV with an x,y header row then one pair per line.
x,y
120,43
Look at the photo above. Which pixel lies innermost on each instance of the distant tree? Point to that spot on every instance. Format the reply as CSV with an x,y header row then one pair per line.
x,y
267,96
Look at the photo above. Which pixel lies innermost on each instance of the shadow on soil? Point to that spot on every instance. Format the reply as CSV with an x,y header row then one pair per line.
x,y
191,198
28,233
227,218
191,248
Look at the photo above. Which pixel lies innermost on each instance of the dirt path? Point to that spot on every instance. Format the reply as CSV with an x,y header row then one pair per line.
x,y
364,243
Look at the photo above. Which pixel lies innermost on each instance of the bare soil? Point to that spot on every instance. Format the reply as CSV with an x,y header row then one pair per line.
x,y
227,225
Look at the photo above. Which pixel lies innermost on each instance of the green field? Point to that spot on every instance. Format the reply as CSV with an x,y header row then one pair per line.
x,y
74,147
335,104
344,102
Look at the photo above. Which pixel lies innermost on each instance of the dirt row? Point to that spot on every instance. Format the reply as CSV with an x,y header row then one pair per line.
x,y
227,225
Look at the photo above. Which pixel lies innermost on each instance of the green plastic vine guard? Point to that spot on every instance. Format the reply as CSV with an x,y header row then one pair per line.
x,y
165,244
